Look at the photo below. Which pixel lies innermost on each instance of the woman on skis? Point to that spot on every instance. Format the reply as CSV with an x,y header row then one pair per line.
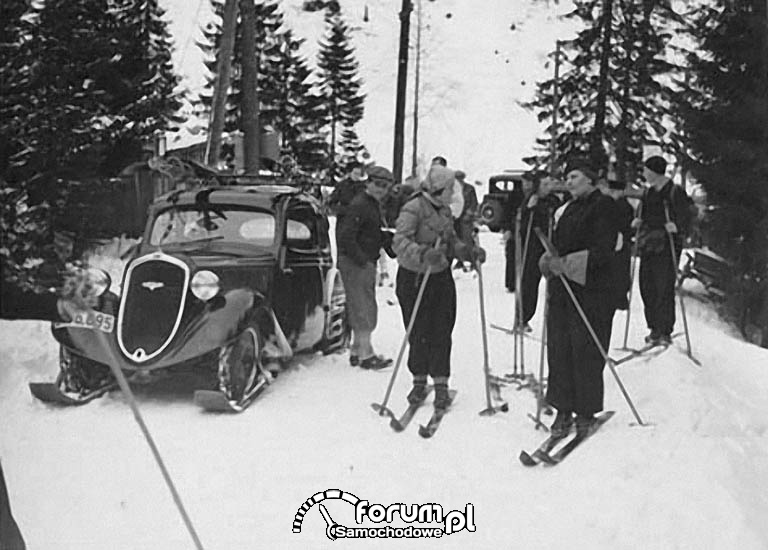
x,y
424,240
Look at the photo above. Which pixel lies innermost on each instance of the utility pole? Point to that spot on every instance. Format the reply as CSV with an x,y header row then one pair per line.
x,y
415,161
223,71
249,107
555,105
402,74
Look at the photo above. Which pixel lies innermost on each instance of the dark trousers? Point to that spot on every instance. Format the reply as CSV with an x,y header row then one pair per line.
x,y
10,536
509,269
576,365
657,287
530,282
430,338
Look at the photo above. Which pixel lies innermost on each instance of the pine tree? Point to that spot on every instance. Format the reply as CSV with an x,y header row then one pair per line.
x,y
23,228
338,81
350,147
142,89
298,111
611,97
725,109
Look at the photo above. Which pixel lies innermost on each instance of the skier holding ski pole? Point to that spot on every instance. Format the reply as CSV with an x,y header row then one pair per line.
x,y
423,220
658,275
585,237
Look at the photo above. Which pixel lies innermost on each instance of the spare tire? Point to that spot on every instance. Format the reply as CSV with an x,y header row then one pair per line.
x,y
492,213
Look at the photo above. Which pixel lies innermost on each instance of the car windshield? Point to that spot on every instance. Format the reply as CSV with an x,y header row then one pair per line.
x,y
222,223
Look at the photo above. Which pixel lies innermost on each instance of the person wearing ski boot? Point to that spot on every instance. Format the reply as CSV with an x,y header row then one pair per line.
x,y
658,274
584,238
426,242
360,240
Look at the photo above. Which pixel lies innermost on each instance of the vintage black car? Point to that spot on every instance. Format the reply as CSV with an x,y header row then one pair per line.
x,y
505,193
227,279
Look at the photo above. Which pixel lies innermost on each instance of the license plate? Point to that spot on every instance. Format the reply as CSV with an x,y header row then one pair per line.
x,y
93,320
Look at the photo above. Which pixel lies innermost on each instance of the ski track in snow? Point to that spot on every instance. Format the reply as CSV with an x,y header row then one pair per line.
x,y
693,478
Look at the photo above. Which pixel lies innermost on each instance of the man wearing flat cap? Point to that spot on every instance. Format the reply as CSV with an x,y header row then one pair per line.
x,y
665,209
585,238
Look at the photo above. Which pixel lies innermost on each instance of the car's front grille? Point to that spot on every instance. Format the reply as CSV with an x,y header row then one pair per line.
x,y
151,306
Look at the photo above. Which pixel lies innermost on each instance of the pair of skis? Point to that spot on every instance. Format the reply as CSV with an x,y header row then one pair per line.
x,y
399,424
543,454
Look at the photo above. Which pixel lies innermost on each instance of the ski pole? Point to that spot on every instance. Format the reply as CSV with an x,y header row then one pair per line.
x,y
633,268
677,286
551,249
540,399
126,389
490,409
382,408
518,324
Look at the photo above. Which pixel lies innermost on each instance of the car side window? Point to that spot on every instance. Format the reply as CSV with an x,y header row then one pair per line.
x,y
301,229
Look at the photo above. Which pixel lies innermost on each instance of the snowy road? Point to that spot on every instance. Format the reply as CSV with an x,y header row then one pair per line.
x,y
84,478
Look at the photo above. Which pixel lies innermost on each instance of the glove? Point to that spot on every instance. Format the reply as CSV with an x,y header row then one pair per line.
x,y
478,255
556,266
77,294
551,265
434,257
670,227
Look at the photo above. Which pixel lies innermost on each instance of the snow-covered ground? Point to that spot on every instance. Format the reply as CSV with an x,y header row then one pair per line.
x,y
695,477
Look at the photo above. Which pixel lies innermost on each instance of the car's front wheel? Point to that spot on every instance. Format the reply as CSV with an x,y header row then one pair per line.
x,y
81,376
239,368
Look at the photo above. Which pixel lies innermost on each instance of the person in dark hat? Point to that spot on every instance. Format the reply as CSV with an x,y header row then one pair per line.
x,y
584,237
658,274
360,240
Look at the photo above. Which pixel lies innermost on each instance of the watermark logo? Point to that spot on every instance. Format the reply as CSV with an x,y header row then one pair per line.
x,y
421,520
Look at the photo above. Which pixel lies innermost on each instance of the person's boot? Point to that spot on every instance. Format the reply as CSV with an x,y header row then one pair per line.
x,y
653,337
665,339
375,362
419,391
584,424
562,424
442,396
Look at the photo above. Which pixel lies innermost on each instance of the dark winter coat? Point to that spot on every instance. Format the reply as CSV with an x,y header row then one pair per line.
x,y
575,380
588,223
342,196
358,234
653,236
624,213
26,304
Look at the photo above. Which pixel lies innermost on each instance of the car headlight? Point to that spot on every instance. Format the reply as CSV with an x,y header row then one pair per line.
x,y
205,285
99,280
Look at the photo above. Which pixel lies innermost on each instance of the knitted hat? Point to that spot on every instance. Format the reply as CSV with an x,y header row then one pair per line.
x,y
584,167
381,174
438,178
440,160
656,164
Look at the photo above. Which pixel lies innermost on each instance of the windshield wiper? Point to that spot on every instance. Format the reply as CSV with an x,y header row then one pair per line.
x,y
195,241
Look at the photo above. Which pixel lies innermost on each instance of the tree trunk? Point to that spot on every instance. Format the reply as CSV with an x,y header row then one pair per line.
x,y
402,75
250,105
223,71
597,153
